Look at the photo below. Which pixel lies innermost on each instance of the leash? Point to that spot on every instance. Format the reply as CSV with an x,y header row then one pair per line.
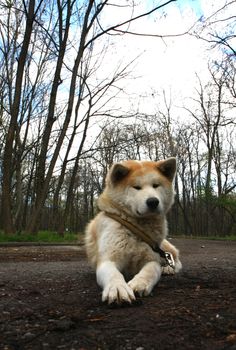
x,y
169,261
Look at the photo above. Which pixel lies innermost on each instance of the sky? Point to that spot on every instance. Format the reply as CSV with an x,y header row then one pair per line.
x,y
172,63
165,64
168,64
195,5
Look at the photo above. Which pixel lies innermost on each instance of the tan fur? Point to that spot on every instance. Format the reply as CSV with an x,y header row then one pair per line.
x,y
141,193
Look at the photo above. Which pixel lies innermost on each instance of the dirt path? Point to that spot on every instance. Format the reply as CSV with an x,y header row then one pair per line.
x,y
49,300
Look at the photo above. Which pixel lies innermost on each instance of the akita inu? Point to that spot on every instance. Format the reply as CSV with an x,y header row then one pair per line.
x,y
120,240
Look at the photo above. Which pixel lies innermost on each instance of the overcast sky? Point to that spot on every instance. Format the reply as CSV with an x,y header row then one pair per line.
x,y
169,63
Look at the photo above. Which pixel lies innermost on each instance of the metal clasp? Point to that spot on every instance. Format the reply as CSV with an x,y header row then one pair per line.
x,y
170,260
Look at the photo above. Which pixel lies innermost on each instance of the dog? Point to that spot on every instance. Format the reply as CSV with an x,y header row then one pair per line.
x,y
136,199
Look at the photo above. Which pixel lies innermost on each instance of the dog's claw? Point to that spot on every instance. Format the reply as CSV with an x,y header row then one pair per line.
x,y
140,287
124,304
118,294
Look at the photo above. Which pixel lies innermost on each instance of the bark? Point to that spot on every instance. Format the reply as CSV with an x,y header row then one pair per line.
x,y
41,167
65,162
69,199
8,224
33,225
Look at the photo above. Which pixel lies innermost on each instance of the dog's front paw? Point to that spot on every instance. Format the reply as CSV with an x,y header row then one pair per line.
x,y
140,286
118,293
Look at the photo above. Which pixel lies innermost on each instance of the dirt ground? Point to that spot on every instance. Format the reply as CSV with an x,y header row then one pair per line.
x,y
49,299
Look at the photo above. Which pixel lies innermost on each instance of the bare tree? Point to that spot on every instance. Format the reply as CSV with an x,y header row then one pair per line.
x,y
41,35
52,95
218,28
14,112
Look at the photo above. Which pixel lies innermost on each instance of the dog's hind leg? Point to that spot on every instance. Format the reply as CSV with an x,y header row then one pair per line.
x,y
168,247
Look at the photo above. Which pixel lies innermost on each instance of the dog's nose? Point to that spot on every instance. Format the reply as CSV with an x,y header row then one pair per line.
x,y
152,203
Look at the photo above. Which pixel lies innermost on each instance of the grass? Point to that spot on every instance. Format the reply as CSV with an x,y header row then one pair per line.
x,y
53,237
41,237
210,238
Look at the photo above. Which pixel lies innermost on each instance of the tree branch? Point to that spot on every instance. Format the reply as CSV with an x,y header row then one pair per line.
x,y
113,28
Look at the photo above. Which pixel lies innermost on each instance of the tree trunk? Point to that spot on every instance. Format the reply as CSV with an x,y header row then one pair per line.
x,y
8,224
33,226
69,198
41,167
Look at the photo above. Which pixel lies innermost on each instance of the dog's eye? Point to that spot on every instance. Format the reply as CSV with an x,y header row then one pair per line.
x,y
155,185
137,187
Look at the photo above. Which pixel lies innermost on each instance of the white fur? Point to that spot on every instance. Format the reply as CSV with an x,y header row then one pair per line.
x,y
125,265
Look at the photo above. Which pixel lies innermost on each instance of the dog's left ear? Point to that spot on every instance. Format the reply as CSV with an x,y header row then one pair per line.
x,y
168,167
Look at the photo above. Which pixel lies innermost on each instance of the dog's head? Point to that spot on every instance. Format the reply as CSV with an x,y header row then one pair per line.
x,y
144,188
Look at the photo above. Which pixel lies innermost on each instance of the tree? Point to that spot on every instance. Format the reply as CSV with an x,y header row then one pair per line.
x,y
218,28
44,34
14,112
90,17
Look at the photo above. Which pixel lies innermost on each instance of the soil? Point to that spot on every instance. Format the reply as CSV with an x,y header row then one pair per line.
x,y
49,299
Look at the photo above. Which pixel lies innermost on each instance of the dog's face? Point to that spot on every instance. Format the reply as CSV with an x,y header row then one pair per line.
x,y
143,188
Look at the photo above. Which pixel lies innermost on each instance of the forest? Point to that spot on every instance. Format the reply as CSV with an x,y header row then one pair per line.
x,y
61,127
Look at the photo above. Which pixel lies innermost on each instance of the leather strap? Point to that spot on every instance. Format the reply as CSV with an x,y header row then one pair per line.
x,y
138,232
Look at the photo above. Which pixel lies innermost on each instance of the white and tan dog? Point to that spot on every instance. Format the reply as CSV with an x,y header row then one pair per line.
x,y
139,193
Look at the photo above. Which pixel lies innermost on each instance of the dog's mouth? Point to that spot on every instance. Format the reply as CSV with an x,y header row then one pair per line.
x,y
147,213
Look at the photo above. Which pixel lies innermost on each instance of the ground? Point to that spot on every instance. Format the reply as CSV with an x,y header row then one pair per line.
x,y
49,299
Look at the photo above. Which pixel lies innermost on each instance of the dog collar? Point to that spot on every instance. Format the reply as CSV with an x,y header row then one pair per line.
x,y
167,256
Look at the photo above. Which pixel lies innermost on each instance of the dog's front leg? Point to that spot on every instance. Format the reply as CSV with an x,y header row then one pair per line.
x,y
115,289
145,280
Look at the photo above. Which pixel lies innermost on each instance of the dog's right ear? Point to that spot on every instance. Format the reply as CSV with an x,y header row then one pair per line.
x,y
118,172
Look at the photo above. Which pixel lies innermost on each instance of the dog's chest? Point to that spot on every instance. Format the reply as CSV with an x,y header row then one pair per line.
x,y
130,253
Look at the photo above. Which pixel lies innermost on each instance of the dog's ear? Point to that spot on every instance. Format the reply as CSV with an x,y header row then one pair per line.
x,y
168,167
118,172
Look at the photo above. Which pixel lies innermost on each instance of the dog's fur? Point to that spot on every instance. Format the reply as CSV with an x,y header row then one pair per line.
x,y
140,192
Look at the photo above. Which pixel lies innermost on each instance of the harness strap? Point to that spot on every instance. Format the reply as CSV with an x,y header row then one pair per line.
x,y
141,234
